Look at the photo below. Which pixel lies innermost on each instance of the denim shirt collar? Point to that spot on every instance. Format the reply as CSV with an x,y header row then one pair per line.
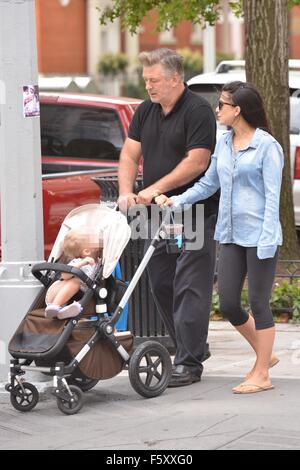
x,y
254,141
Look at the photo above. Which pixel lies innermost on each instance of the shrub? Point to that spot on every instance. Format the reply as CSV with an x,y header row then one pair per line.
x,y
192,62
135,86
113,64
223,56
285,298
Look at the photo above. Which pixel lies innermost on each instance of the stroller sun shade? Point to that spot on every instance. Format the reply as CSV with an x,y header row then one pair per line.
x,y
111,225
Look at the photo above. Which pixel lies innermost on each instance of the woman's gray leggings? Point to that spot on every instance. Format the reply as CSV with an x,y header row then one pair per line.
x,y
234,263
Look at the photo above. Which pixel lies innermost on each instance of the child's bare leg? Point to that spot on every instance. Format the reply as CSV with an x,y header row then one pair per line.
x,y
52,292
68,288
59,293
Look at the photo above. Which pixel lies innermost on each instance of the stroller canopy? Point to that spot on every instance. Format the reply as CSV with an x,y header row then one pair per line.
x,y
111,225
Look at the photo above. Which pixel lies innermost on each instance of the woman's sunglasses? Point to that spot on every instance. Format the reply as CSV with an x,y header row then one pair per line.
x,y
221,104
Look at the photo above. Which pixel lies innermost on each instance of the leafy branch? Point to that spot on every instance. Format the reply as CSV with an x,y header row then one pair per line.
x,y
169,12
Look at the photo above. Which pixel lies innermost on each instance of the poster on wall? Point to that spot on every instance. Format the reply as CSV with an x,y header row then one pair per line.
x,y
31,101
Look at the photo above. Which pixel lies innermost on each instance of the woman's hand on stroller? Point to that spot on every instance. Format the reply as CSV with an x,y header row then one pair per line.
x,y
163,200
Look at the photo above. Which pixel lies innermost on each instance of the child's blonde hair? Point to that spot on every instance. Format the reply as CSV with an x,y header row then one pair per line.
x,y
76,240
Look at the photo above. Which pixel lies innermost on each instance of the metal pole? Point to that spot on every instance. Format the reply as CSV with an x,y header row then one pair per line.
x,y
20,168
209,49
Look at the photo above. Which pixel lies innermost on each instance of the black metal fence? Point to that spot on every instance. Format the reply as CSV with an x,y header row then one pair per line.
x,y
144,320
288,269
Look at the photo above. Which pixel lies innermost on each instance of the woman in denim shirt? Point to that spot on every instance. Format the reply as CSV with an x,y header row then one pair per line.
x,y
247,166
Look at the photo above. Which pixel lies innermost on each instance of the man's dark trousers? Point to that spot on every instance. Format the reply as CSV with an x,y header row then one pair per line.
x,y
182,289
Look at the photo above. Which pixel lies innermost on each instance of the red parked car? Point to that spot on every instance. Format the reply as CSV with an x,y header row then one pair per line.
x,y
81,138
83,132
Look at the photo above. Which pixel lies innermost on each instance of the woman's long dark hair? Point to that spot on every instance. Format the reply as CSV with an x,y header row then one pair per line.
x,y
247,97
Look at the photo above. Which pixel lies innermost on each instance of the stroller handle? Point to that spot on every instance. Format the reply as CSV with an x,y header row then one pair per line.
x,y
59,267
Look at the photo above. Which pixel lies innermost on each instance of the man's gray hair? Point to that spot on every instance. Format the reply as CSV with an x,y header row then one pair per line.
x,y
167,58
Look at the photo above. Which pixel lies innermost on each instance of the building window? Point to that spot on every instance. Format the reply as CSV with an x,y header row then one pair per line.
x,y
64,3
167,37
104,41
197,35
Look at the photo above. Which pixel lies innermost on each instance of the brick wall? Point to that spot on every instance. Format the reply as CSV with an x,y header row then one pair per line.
x,y
295,33
61,35
150,39
183,36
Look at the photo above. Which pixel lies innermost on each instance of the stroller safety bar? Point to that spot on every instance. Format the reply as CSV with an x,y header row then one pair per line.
x,y
59,267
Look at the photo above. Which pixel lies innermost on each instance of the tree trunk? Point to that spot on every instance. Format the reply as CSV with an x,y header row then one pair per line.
x,y
267,54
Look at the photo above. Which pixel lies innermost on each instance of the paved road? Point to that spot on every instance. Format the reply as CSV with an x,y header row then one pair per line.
x,y
204,415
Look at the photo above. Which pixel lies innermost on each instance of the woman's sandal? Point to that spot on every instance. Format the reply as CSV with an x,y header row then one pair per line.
x,y
244,388
273,361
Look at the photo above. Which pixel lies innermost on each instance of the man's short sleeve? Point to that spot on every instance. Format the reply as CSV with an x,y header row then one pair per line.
x,y
134,131
201,128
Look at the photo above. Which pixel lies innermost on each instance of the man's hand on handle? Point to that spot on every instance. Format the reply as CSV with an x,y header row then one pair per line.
x,y
126,201
146,196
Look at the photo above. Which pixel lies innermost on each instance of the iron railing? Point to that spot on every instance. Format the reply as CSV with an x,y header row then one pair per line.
x,y
144,320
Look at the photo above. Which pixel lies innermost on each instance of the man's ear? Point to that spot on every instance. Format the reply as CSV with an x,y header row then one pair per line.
x,y
176,80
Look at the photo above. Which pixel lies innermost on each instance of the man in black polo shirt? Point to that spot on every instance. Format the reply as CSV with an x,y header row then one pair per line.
x,y
175,132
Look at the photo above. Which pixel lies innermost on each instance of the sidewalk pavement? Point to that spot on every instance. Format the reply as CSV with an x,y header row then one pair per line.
x,y
205,415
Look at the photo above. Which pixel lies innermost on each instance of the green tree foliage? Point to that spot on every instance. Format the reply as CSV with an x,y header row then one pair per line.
x,y
170,12
192,62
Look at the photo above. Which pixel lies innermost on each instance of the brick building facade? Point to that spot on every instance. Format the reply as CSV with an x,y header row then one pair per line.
x,y
71,40
295,33
62,37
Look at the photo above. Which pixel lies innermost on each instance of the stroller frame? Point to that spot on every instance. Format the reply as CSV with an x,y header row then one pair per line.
x,y
24,396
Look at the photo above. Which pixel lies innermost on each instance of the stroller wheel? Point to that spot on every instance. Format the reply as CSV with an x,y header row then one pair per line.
x,y
84,383
150,369
24,397
71,405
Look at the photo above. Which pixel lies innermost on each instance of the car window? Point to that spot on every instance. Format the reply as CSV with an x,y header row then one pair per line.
x,y
295,116
80,132
212,92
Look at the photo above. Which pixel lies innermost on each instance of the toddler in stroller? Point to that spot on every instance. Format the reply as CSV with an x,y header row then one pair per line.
x,y
84,249
79,348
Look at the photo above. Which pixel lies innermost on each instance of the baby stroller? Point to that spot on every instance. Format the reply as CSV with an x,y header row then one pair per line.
x,y
80,351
